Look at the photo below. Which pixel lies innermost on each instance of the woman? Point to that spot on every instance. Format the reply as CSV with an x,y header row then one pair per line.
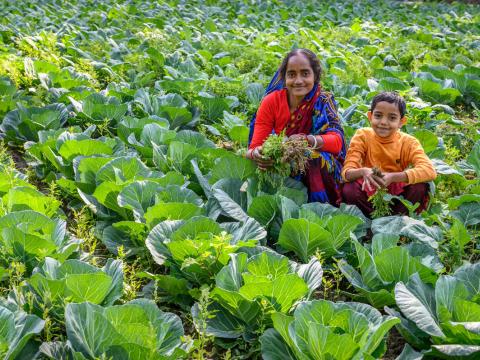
x,y
295,102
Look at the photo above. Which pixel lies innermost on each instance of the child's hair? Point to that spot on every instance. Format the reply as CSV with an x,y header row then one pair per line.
x,y
392,98
312,59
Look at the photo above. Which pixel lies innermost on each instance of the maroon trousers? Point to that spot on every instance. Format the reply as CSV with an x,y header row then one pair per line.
x,y
353,194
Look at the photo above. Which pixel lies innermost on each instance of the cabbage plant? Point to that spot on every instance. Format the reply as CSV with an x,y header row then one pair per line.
x,y
384,266
97,108
448,313
101,181
29,236
327,235
198,248
249,290
321,329
148,202
137,330
56,149
16,330
10,178
24,123
28,198
77,281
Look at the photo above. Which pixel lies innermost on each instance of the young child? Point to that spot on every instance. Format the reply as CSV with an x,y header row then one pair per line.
x,y
405,167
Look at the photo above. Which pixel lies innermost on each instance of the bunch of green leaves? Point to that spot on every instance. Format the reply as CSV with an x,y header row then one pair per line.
x,y
380,204
289,156
379,200
321,329
272,149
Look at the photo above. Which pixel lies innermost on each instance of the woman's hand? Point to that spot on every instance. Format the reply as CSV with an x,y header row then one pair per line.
x,y
297,136
313,140
263,163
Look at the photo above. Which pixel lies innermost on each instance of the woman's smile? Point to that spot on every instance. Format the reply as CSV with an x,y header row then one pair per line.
x,y
299,77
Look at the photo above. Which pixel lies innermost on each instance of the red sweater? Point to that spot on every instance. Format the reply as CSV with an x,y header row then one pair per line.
x,y
274,114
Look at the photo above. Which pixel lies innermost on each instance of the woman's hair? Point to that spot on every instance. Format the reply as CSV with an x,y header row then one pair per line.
x,y
312,59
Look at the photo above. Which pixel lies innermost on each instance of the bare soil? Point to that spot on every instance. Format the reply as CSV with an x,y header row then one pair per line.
x,y
395,344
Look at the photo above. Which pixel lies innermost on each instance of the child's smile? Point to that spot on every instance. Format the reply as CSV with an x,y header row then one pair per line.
x,y
385,119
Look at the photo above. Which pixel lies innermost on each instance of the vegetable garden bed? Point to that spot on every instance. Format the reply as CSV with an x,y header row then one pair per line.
x,y
132,226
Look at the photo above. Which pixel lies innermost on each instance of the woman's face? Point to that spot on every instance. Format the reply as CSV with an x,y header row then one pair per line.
x,y
299,77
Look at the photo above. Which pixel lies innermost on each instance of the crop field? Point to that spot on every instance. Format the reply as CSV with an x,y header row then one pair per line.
x,y
132,226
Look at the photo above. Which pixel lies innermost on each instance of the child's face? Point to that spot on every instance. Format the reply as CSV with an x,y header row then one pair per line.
x,y
385,119
299,77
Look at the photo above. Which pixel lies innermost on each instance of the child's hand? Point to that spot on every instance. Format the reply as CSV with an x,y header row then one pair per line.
x,y
388,178
370,181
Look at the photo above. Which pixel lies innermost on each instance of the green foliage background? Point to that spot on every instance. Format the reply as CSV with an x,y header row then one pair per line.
x,y
123,125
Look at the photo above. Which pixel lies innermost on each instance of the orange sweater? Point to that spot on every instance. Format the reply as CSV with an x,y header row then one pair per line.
x,y
396,153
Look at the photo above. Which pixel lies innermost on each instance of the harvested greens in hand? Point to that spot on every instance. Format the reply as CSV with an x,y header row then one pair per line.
x,y
381,206
290,157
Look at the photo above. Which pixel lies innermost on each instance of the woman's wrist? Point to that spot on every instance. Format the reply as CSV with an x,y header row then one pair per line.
x,y
311,140
315,141
320,141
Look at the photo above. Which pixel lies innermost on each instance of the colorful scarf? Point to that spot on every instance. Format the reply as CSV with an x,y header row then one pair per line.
x,y
316,115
